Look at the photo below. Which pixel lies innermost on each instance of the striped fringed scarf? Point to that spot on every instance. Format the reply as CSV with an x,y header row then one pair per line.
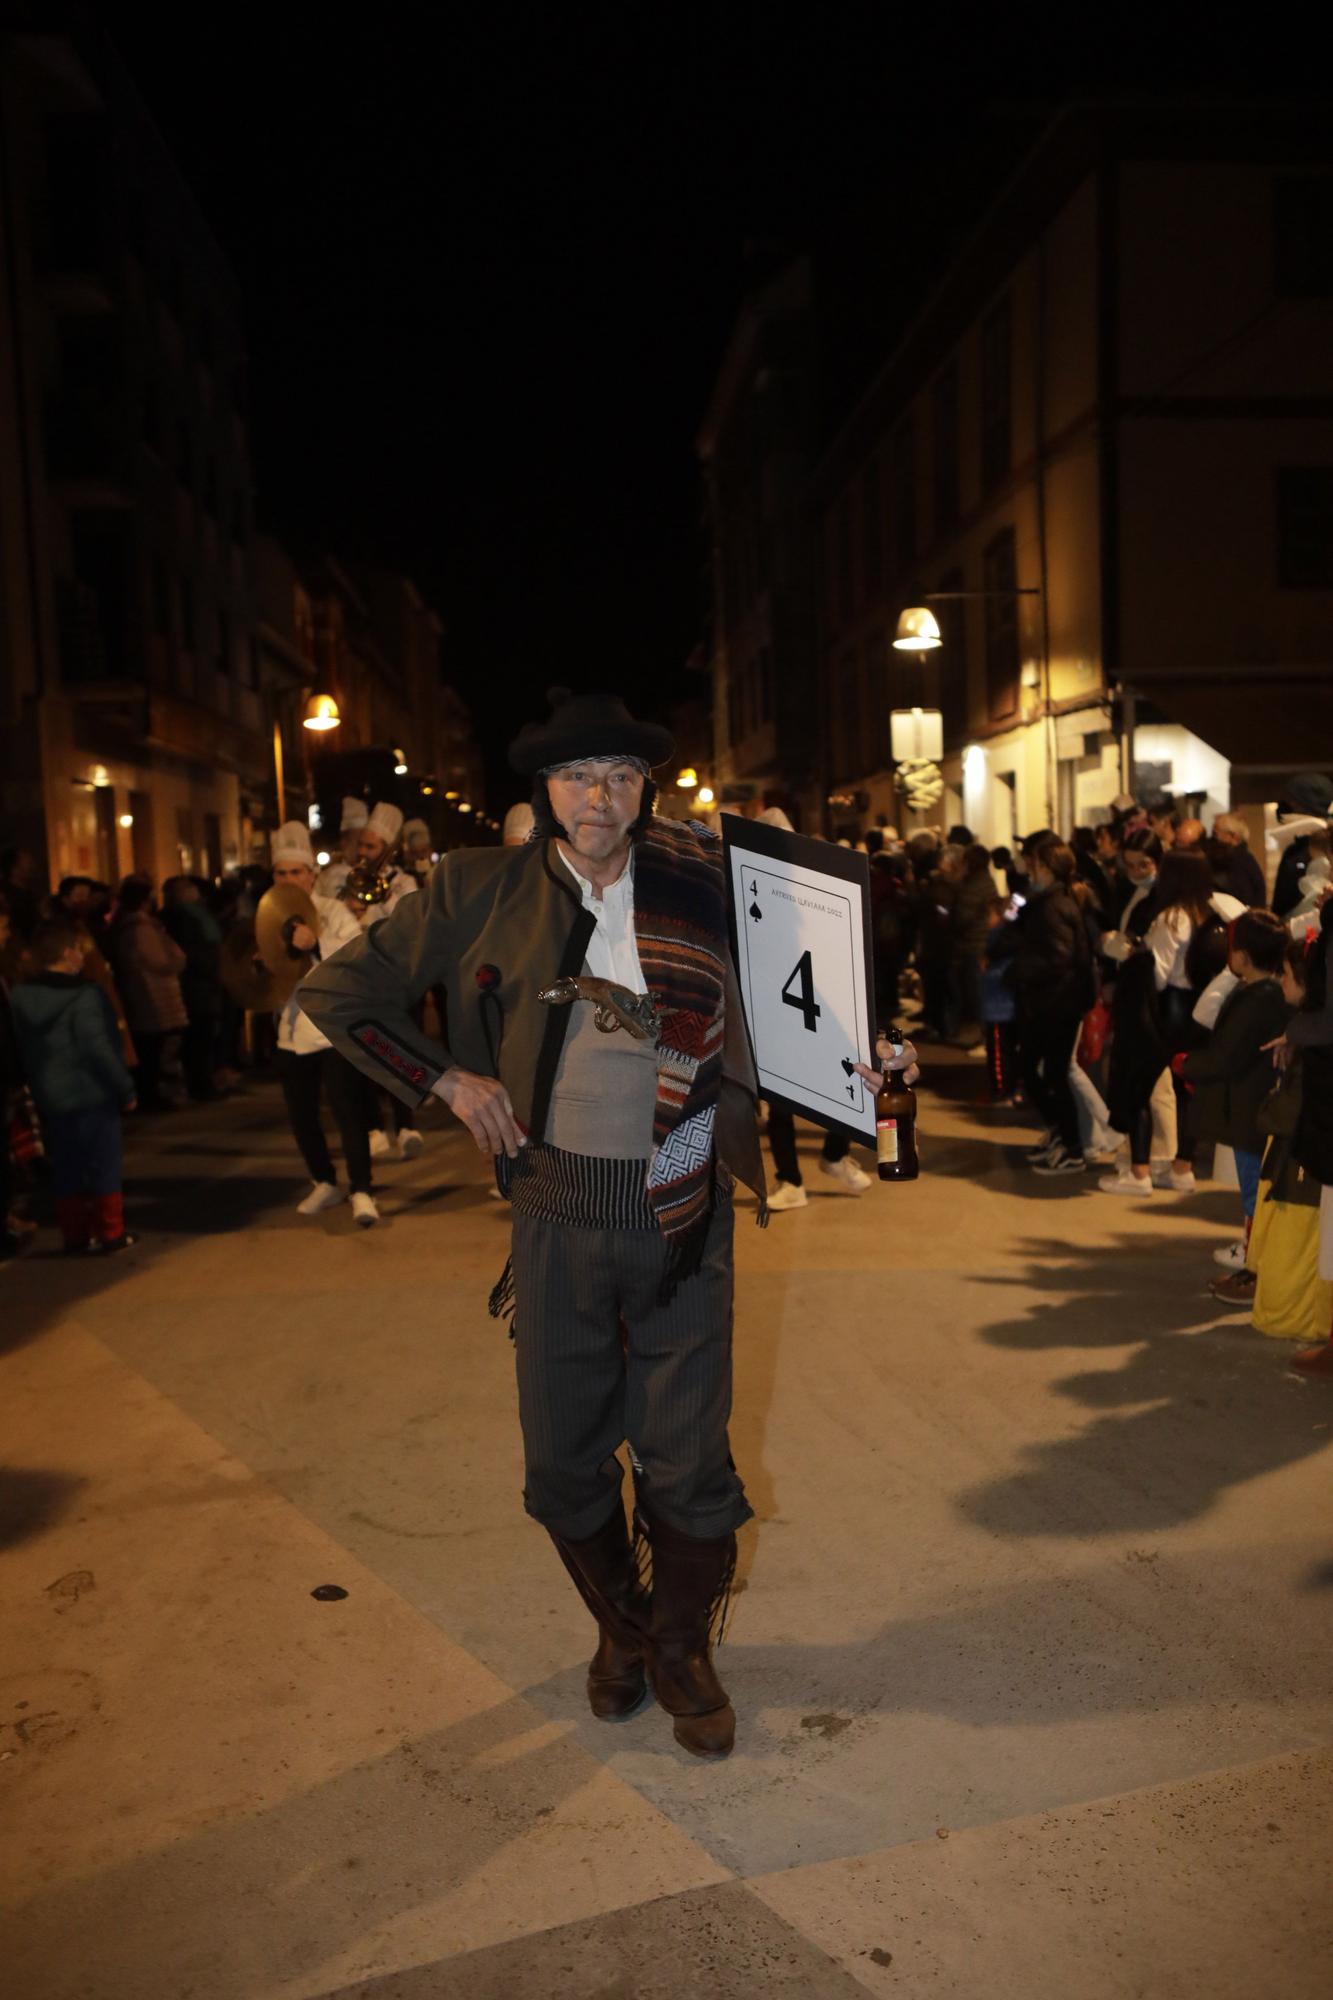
x,y
680,922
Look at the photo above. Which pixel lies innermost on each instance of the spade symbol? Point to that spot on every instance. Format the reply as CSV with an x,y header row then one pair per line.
x,y
847,1066
756,913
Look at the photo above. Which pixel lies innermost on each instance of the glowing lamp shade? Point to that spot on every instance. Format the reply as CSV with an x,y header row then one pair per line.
x,y
322,857
918,630
321,712
705,795
463,806
688,778
400,770
127,819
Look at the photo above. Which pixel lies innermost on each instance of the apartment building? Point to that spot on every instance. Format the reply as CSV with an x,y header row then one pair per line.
x,y
134,731
1103,455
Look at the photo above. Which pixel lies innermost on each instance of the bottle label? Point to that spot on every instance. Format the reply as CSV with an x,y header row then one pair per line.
x,y
886,1141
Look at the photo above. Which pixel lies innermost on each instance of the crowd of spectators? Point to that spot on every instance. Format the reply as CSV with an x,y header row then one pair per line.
x,y
1140,990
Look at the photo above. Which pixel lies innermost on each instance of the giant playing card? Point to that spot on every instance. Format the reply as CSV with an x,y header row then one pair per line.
x,y
800,913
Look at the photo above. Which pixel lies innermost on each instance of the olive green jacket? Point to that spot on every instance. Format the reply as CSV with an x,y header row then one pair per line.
x,y
493,927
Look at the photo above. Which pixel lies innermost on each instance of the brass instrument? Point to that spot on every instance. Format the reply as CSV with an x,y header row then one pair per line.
x,y
367,886
616,1007
260,968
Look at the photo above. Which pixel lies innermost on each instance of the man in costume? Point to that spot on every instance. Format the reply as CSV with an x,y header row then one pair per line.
x,y
307,1065
415,851
619,1150
332,877
598,1051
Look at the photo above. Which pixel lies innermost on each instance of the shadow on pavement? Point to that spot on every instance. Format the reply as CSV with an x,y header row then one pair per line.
x,y
31,1502
1197,1407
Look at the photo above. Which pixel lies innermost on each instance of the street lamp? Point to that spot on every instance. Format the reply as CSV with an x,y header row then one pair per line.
x,y
918,630
400,764
321,712
688,778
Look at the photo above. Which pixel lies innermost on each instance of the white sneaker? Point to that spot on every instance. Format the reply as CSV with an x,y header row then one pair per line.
x,y
846,1173
1125,1183
1177,1183
1232,1256
321,1196
410,1143
379,1146
787,1195
364,1211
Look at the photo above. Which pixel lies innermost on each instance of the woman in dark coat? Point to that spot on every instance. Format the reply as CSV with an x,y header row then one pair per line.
x,y
1053,975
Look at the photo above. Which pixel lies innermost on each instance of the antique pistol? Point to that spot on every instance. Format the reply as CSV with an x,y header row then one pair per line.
x,y
616,1007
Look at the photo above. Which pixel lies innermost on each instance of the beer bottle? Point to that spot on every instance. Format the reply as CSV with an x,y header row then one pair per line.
x,y
895,1125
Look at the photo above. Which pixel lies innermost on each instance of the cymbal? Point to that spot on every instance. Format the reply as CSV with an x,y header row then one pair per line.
x,y
251,986
279,909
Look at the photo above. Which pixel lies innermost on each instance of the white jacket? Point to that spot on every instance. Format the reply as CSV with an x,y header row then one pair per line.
x,y
337,927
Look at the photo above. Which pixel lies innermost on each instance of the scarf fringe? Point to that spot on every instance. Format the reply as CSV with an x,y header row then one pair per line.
x,y
502,1301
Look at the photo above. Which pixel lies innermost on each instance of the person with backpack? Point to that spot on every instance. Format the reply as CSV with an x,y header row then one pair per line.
x,y
1054,979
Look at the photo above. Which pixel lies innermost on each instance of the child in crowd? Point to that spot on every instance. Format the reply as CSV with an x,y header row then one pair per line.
x,y
1291,1300
1233,1073
70,1050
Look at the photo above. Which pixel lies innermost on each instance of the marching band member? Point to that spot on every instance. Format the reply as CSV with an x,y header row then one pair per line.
x,y
333,876
374,848
306,1062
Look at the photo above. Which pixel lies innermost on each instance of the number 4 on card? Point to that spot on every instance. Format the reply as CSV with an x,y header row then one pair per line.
x,y
804,1001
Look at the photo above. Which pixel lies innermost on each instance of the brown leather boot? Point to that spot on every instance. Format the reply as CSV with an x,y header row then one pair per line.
x,y
691,1578
606,1576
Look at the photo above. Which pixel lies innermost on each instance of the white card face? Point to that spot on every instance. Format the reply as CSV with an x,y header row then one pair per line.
x,y
801,963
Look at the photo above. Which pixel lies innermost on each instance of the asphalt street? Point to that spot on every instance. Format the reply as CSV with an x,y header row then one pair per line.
x,y
1032,1648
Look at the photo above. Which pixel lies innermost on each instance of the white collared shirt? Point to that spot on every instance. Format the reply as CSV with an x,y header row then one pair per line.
x,y
613,951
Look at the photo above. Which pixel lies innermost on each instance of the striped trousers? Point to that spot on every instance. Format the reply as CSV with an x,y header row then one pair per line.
x,y
602,1362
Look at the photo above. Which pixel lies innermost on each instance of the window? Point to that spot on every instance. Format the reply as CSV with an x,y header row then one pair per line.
x,y
1303,236
187,614
952,657
846,562
944,416
872,531
161,599
1305,527
902,453
152,417
875,736
996,373
1003,652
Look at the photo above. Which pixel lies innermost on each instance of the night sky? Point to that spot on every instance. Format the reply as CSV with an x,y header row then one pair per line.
x,y
490,263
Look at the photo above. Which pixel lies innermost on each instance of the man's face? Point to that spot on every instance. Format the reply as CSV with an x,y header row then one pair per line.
x,y
350,843
1105,845
1162,827
293,875
597,802
370,849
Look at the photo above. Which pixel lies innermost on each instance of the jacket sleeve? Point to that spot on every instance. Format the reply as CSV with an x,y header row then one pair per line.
x,y
99,1043
362,997
1234,1047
